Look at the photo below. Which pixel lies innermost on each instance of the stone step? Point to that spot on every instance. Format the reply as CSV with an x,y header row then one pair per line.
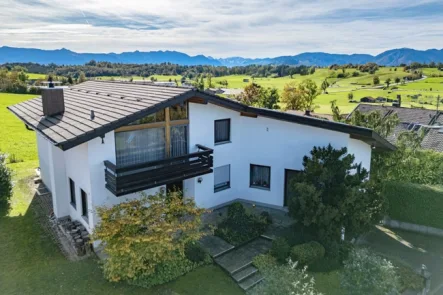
x,y
238,258
244,273
251,281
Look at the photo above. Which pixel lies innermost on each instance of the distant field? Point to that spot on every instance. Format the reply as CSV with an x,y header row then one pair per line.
x,y
426,90
34,76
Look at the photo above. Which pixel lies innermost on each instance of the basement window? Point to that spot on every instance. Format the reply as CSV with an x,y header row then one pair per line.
x,y
84,204
222,178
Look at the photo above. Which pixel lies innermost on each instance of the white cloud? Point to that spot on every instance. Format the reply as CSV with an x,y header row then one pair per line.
x,y
251,28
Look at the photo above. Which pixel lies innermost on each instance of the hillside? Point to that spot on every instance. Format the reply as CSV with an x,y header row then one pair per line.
x,y
64,56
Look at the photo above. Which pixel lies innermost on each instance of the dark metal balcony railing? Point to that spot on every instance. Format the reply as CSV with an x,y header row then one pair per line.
x,y
135,178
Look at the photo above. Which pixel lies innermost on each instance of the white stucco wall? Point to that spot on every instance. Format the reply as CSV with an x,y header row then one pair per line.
x,y
262,141
43,149
76,160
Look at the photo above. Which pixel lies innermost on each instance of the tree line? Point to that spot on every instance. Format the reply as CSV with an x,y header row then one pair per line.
x,y
95,69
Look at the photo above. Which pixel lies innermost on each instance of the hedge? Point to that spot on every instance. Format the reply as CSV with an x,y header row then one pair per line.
x,y
415,203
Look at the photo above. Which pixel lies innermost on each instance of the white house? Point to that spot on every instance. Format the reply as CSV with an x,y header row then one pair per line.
x,y
100,143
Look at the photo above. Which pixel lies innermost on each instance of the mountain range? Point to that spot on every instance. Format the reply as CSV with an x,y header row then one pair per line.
x,y
64,56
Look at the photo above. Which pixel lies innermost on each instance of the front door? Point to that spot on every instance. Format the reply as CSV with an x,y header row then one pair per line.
x,y
289,192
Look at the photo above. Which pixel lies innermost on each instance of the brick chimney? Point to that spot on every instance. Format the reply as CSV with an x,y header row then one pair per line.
x,y
53,101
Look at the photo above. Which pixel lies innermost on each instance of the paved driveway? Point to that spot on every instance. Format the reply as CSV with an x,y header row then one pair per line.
x,y
414,249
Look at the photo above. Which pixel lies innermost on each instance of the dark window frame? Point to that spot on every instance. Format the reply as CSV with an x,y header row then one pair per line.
x,y
73,200
84,200
229,132
226,185
251,185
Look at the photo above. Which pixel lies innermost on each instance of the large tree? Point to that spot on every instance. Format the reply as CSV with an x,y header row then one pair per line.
x,y
300,97
309,92
269,98
334,193
251,95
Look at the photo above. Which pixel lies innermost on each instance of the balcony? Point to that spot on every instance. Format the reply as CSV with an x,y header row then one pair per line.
x,y
135,178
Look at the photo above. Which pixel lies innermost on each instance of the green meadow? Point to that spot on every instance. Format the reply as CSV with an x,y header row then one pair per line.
x,y
421,93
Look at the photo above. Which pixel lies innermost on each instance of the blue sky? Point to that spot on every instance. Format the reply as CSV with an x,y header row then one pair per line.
x,y
248,28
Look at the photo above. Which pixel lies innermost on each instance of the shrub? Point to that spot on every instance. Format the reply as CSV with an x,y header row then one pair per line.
x,y
168,271
195,252
142,235
367,273
307,253
5,181
285,279
264,261
267,217
239,226
280,249
338,250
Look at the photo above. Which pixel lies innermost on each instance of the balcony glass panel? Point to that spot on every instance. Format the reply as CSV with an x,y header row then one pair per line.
x,y
140,146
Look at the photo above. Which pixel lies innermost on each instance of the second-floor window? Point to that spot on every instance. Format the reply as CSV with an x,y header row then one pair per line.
x,y
222,131
154,137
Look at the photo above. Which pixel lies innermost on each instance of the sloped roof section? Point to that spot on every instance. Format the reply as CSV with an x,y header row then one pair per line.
x,y
407,117
112,103
116,104
433,139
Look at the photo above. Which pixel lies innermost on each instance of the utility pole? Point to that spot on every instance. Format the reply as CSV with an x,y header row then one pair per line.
x,y
438,102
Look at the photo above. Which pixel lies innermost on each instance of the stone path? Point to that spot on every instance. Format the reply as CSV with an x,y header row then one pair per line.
x,y
215,246
238,261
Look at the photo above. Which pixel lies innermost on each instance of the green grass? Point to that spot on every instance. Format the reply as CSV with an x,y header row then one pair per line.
x,y
31,264
415,203
35,76
360,86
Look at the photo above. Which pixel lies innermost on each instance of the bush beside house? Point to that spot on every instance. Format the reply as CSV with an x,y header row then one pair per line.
x,y
367,273
5,183
150,240
240,226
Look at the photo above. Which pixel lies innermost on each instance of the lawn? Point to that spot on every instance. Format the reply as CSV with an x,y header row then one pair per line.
x,y
415,203
32,264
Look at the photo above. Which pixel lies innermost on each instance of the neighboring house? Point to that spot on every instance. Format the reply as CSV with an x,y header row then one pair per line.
x,y
412,119
101,143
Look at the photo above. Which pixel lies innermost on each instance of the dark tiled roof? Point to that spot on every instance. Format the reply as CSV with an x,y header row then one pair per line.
x,y
433,139
116,104
111,102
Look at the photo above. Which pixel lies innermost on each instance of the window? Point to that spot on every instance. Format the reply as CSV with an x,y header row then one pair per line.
x,y
222,130
153,118
179,140
72,192
140,146
84,204
260,176
222,178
